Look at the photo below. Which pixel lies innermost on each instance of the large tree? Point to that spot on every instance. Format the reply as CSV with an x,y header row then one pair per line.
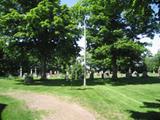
x,y
44,27
114,27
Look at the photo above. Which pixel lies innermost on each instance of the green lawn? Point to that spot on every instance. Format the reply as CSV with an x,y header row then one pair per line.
x,y
11,109
124,99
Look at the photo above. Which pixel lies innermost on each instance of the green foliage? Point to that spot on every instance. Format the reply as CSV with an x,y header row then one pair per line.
x,y
75,71
44,29
12,57
129,48
112,31
153,63
145,18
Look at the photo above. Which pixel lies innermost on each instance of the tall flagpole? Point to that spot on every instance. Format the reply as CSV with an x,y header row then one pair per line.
x,y
84,81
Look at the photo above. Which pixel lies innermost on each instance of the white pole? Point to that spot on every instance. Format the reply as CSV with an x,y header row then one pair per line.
x,y
84,82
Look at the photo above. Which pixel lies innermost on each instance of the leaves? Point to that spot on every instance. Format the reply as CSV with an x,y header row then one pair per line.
x,y
45,29
113,26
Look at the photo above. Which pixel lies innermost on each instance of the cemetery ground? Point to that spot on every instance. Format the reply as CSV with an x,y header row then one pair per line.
x,y
123,99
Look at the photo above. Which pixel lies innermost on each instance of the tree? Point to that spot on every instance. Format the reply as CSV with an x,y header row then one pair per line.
x,y
153,62
113,32
13,57
44,27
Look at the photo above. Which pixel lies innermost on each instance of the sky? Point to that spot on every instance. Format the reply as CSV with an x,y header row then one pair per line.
x,y
69,2
155,42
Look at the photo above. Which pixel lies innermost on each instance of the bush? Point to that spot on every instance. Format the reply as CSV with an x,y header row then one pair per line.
x,y
75,71
28,79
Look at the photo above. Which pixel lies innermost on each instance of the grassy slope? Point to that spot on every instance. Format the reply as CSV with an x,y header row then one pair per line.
x,y
122,100
15,110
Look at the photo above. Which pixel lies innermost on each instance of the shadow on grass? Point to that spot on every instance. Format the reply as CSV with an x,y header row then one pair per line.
x,y
81,88
149,115
2,107
117,82
151,105
63,82
133,81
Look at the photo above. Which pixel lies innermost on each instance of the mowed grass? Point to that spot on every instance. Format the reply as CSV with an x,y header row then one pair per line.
x,y
11,109
123,99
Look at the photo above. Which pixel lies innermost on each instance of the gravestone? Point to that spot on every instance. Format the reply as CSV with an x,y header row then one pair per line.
x,y
129,73
91,75
107,74
67,76
31,72
48,75
35,72
28,79
159,71
21,72
135,74
50,72
24,75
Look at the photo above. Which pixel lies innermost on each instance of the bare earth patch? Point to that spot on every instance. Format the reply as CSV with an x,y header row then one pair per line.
x,y
56,108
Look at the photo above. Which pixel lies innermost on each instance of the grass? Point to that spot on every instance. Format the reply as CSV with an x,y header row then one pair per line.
x,y
123,99
11,109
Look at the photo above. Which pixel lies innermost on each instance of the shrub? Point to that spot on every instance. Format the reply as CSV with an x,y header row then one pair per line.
x,y
75,71
28,79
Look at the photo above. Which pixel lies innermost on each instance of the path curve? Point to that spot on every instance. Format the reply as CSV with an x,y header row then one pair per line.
x,y
56,108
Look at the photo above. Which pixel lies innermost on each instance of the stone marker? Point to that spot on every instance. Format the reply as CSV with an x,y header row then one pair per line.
x,y
50,72
159,71
135,74
35,72
21,72
67,76
31,72
129,73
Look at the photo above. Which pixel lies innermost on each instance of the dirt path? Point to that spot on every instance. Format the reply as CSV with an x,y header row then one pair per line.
x,y
56,108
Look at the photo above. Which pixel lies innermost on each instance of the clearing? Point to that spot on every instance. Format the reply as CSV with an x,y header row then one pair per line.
x,y
123,99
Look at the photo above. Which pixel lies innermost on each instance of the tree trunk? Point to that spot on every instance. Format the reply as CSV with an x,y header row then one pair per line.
x,y
92,75
102,76
144,74
114,67
43,68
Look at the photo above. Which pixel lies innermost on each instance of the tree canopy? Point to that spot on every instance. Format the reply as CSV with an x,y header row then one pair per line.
x,y
44,27
46,32
114,27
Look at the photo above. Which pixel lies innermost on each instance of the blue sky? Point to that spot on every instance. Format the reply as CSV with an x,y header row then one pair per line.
x,y
69,2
